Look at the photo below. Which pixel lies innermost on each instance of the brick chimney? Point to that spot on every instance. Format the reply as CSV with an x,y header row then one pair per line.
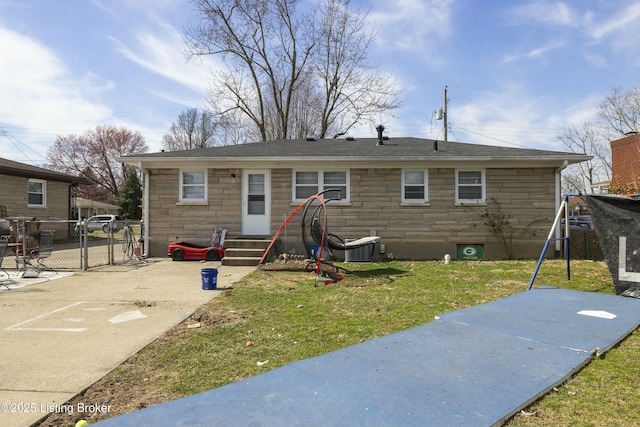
x,y
625,161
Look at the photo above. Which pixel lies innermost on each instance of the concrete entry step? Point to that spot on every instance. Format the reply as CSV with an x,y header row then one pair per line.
x,y
244,252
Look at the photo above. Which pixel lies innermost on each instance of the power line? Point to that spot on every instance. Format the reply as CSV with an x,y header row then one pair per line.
x,y
487,136
16,143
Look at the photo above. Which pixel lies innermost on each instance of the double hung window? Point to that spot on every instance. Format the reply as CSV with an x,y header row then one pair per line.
x,y
470,186
308,183
193,186
37,193
415,186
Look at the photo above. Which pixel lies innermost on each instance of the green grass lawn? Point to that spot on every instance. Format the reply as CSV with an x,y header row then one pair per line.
x,y
281,317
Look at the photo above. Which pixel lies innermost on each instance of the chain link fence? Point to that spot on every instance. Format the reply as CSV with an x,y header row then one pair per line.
x,y
74,247
584,244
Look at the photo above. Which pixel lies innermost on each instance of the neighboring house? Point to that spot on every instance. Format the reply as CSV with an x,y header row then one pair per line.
x,y
31,191
625,163
577,206
86,208
601,187
424,198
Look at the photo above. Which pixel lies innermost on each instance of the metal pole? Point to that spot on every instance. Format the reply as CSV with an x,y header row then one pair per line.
x,y
85,244
80,229
567,234
546,245
446,125
111,242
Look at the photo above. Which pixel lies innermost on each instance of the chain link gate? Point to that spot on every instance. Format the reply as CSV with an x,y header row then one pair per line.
x,y
74,247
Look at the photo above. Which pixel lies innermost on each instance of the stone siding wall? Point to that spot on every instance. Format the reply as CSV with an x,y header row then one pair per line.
x,y
14,195
170,220
425,231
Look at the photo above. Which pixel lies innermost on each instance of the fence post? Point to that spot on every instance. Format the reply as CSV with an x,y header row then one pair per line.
x,y
85,244
112,243
78,229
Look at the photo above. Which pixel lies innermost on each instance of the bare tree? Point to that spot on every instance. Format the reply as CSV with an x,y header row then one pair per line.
x,y
290,73
306,115
353,90
618,114
620,111
265,47
586,139
235,128
193,129
93,155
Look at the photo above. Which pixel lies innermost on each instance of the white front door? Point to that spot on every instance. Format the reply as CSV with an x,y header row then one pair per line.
x,y
256,203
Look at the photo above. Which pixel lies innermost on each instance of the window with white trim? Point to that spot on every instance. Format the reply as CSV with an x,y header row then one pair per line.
x,y
470,186
37,193
308,183
193,186
415,186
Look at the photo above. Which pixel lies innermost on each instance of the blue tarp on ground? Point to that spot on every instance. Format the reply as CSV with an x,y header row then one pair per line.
x,y
473,367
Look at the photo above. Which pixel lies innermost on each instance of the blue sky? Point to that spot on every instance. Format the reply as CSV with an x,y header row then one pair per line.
x,y
517,72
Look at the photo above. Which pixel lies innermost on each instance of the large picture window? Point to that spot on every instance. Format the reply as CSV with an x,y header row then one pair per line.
x,y
193,186
415,186
308,183
37,193
470,186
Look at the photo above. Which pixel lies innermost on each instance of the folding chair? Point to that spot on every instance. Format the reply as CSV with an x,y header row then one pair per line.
x,y
45,249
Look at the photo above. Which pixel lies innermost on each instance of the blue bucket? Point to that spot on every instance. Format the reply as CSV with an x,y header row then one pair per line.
x,y
315,249
209,278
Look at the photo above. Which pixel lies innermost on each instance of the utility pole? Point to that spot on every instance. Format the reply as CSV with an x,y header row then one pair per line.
x,y
445,114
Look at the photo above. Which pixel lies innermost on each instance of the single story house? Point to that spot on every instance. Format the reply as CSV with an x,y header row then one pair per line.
x,y
31,191
86,208
424,198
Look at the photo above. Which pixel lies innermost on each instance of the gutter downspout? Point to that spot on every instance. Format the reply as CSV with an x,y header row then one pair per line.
x,y
558,201
145,211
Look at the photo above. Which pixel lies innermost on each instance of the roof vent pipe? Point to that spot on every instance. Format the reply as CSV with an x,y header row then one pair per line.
x,y
435,145
380,129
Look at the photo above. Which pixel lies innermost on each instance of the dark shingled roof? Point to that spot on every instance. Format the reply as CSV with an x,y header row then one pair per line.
x,y
359,149
9,167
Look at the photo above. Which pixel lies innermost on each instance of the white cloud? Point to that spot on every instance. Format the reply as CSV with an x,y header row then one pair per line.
x,y
413,25
596,24
40,95
621,31
612,23
549,13
161,51
516,118
536,53
624,21
596,60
